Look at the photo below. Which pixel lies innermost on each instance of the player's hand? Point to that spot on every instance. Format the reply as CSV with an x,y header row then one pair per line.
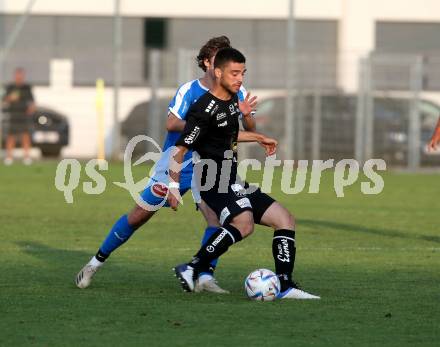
x,y
435,140
248,105
174,198
269,145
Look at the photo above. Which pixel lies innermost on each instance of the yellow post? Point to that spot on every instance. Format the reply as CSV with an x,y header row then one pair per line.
x,y
100,116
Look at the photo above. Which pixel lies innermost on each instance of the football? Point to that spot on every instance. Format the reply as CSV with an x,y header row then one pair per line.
x,y
262,285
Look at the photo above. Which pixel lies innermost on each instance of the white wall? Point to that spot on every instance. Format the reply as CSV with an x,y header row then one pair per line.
x,y
180,8
357,28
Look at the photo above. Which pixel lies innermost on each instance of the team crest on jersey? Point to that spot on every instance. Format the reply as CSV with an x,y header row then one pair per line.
x,y
210,106
159,190
232,109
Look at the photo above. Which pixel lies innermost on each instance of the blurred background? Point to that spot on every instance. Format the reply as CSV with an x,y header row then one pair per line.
x,y
335,78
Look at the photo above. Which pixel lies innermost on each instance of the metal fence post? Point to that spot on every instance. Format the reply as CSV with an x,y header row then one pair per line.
x,y
316,125
369,111
299,138
416,83
117,77
184,66
154,122
359,139
289,118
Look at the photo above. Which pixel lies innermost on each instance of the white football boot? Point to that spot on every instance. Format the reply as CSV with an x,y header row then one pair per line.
x,y
208,283
84,277
185,274
296,293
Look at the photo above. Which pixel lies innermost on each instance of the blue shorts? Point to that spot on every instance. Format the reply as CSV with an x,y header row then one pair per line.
x,y
157,188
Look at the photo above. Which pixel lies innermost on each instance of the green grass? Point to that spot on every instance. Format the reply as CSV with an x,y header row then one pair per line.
x,y
375,260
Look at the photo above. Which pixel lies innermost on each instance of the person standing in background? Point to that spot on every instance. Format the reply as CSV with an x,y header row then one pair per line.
x,y
19,103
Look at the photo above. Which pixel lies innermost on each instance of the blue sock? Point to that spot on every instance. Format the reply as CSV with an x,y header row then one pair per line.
x,y
208,233
118,235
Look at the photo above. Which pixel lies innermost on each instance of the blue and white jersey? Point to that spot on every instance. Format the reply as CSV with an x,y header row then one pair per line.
x,y
186,95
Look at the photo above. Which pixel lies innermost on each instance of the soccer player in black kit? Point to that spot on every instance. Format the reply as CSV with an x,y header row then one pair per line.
x,y
212,130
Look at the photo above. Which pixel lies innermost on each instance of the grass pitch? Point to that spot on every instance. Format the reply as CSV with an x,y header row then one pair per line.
x,y
375,260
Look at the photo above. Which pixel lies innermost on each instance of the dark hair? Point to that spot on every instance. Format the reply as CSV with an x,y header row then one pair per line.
x,y
210,48
227,55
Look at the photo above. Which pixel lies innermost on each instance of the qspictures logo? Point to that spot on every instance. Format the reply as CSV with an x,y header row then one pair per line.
x,y
346,172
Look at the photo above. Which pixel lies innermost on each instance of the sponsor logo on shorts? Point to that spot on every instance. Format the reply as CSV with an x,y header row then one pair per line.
x,y
238,189
243,203
224,214
159,190
210,249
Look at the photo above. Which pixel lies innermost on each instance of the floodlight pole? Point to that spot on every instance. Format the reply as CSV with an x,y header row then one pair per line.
x,y
4,51
289,118
117,45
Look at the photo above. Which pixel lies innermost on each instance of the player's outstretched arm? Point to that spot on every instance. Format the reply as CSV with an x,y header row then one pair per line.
x,y
247,108
435,139
269,144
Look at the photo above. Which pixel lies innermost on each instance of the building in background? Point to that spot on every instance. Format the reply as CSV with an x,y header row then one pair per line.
x,y
66,46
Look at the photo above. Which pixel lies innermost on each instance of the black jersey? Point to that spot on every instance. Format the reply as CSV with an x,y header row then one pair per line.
x,y
212,127
211,130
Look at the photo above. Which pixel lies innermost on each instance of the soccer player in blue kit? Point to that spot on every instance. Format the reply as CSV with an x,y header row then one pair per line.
x,y
157,187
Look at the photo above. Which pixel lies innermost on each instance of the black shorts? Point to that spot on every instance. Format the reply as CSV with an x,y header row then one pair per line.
x,y
228,205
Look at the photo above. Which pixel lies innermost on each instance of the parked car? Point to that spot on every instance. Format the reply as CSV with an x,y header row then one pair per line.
x,y
49,131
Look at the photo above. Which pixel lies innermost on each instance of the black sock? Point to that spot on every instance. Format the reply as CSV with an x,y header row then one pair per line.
x,y
284,251
216,245
101,256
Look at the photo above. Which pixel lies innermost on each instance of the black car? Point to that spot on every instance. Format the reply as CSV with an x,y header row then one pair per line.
x,y
49,131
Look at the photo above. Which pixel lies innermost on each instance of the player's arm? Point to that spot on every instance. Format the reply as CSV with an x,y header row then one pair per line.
x,y
195,129
178,108
175,123
247,109
269,144
435,139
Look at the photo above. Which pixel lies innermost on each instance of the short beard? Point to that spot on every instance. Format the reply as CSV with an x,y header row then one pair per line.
x,y
227,88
